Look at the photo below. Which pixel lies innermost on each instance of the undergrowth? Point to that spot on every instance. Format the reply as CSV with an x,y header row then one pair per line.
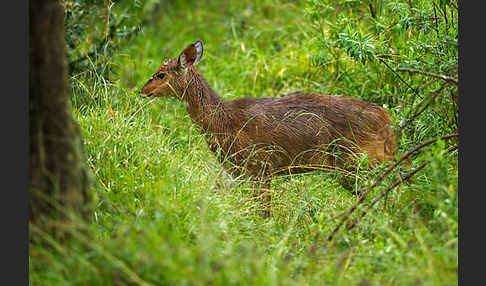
x,y
167,214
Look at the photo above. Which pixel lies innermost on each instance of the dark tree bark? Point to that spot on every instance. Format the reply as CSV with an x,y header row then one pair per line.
x,y
60,179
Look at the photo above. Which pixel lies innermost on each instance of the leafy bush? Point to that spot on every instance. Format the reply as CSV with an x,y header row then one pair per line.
x,y
389,38
96,29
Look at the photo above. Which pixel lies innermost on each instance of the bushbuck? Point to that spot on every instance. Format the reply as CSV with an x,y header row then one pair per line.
x,y
259,137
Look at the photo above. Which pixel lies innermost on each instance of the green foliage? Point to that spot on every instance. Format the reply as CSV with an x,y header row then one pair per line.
x,y
386,37
96,29
168,214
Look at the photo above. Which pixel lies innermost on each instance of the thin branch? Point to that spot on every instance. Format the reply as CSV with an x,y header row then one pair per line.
x,y
444,11
436,24
440,76
453,5
398,182
385,193
399,77
385,30
425,144
380,179
395,184
453,148
373,14
449,42
431,96
412,99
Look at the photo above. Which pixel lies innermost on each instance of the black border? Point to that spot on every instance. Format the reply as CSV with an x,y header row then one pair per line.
x,y
471,142
15,142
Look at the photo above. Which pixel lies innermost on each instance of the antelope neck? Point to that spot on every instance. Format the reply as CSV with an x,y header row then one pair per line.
x,y
203,103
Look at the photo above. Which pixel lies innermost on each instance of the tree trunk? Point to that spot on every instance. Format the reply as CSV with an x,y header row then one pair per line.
x,y
60,179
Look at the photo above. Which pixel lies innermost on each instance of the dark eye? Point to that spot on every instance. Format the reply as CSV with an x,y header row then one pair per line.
x,y
160,76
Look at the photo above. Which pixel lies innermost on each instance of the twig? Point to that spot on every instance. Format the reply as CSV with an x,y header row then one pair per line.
x,y
387,191
399,77
444,11
380,179
423,145
431,96
453,148
453,4
384,31
444,77
449,42
436,24
373,14
412,99
397,182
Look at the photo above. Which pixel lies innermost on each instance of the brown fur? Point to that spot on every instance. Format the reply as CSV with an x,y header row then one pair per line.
x,y
261,137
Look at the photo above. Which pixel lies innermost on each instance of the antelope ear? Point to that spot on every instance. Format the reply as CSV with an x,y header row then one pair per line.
x,y
191,55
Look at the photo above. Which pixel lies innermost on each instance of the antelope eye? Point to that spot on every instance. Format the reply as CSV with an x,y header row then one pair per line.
x,y
160,76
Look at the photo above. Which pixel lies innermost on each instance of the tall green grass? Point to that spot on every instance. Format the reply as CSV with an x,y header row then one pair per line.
x,y
166,212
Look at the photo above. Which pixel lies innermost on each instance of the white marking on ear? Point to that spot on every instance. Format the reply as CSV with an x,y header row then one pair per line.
x,y
199,51
196,47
